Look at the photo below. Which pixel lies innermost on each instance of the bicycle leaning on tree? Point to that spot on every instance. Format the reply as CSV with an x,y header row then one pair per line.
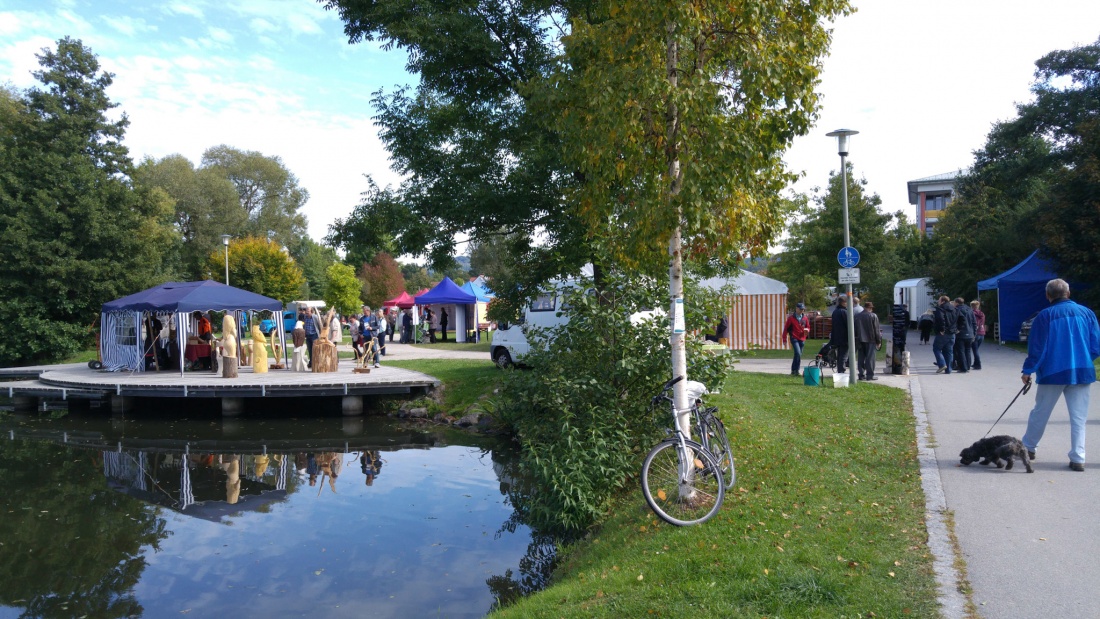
x,y
685,481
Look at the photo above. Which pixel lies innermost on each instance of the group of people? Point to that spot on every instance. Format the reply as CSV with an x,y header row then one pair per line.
x,y
960,331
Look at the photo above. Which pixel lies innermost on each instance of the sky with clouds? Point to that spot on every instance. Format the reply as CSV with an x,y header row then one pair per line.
x,y
922,82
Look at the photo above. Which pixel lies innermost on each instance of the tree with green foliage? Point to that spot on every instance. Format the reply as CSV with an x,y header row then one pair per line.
x,y
891,248
343,290
258,265
74,232
416,277
314,260
381,279
1034,183
206,207
268,192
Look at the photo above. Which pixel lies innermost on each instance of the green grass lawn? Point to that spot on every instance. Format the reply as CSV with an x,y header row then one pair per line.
x,y
825,520
450,344
464,380
808,352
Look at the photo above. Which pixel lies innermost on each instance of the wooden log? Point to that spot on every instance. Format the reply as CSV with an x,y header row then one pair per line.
x,y
229,367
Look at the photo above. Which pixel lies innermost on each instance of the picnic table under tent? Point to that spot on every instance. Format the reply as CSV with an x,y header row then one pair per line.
x,y
447,292
123,346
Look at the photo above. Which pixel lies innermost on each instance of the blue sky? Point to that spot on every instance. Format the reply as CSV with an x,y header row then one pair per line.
x,y
922,82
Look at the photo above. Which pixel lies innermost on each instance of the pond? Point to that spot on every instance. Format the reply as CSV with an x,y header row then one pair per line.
x,y
330,516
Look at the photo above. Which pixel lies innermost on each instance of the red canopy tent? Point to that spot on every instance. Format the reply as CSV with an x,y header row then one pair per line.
x,y
403,301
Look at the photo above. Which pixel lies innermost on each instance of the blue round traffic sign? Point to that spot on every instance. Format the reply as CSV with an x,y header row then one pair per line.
x,y
848,257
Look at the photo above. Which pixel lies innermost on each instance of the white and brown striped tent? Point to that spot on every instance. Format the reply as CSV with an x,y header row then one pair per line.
x,y
757,310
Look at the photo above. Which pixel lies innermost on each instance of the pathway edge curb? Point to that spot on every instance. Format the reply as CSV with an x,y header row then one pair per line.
x,y
952,601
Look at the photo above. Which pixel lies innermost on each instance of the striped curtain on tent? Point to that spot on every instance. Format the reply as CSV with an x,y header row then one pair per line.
x,y
120,344
756,321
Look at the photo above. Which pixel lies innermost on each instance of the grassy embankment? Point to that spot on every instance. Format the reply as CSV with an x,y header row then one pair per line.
x,y
825,520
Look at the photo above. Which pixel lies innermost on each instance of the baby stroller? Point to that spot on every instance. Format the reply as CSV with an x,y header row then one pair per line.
x,y
827,356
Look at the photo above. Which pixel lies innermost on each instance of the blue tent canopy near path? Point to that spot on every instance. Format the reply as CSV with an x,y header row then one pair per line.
x,y
173,297
122,345
1021,291
444,293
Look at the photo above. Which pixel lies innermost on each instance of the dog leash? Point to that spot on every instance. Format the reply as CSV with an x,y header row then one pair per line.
x,y
1023,390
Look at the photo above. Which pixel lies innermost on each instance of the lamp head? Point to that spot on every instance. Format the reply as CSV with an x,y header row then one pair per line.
x,y
841,136
225,239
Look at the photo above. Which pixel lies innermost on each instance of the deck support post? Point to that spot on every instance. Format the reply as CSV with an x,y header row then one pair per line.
x,y
351,405
232,407
121,403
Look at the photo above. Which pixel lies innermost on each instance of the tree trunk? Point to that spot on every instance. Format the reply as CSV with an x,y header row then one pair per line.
x,y
229,367
676,264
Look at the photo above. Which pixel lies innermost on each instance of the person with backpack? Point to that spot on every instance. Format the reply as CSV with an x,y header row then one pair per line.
x,y
797,328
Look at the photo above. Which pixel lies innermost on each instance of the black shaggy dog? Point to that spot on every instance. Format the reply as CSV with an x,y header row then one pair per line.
x,y
994,449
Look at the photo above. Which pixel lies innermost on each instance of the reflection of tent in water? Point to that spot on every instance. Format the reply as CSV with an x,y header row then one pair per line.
x,y
206,489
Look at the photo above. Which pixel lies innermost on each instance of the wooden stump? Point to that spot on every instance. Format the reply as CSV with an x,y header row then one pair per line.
x,y
324,356
229,367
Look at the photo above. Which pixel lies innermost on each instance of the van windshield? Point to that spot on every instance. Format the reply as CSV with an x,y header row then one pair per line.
x,y
543,303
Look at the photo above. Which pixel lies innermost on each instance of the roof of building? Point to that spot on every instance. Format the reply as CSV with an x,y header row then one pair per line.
x,y
747,282
946,177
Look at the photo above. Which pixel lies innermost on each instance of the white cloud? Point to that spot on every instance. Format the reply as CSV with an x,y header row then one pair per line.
x,y
129,26
10,23
300,23
260,25
221,35
18,61
182,8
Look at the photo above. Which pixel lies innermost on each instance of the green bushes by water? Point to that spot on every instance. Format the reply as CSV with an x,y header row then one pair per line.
x,y
581,413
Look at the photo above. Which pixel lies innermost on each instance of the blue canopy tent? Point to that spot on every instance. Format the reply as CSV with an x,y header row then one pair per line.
x,y
122,345
1021,291
447,292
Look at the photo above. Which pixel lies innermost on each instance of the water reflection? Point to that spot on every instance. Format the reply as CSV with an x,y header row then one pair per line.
x,y
275,517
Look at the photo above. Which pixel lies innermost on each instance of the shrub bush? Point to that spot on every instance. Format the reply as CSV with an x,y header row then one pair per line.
x,y
581,413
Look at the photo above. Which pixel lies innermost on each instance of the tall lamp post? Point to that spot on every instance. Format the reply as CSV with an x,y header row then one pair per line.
x,y
841,136
225,241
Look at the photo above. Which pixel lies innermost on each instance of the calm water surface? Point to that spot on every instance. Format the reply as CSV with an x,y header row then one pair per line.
x,y
324,517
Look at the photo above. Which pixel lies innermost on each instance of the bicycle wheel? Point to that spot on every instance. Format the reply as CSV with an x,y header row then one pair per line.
x,y
682,504
719,445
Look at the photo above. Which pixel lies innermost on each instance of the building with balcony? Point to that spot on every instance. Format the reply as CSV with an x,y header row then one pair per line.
x,y
931,196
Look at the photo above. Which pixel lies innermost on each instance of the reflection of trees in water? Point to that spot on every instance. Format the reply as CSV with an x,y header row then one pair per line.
x,y
71,546
537,565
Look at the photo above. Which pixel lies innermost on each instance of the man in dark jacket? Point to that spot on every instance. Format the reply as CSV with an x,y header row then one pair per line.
x,y
838,337
868,340
964,340
946,325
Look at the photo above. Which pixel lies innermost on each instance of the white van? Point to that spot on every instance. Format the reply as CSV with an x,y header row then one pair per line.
x,y
509,343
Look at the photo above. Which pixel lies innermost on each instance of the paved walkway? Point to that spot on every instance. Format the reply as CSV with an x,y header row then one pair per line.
x,y
1031,543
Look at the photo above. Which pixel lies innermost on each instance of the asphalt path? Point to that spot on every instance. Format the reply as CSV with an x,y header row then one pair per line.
x,y
1031,543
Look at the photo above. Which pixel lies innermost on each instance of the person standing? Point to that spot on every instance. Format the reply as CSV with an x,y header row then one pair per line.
x,y
797,328
1064,341
312,325
407,327
838,337
353,329
443,321
868,340
391,322
946,324
383,327
979,332
925,324
964,339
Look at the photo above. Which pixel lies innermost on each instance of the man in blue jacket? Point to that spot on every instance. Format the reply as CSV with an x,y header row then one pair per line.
x,y
1064,340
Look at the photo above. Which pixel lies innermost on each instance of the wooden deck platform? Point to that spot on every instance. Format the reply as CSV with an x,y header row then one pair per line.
x,y
76,381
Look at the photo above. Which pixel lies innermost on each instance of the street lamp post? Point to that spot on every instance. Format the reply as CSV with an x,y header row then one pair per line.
x,y
225,241
841,136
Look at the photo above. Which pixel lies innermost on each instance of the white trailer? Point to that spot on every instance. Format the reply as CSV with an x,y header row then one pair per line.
x,y
917,295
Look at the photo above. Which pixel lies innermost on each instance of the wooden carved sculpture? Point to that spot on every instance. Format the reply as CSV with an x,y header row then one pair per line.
x,y
298,360
324,351
259,351
229,347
